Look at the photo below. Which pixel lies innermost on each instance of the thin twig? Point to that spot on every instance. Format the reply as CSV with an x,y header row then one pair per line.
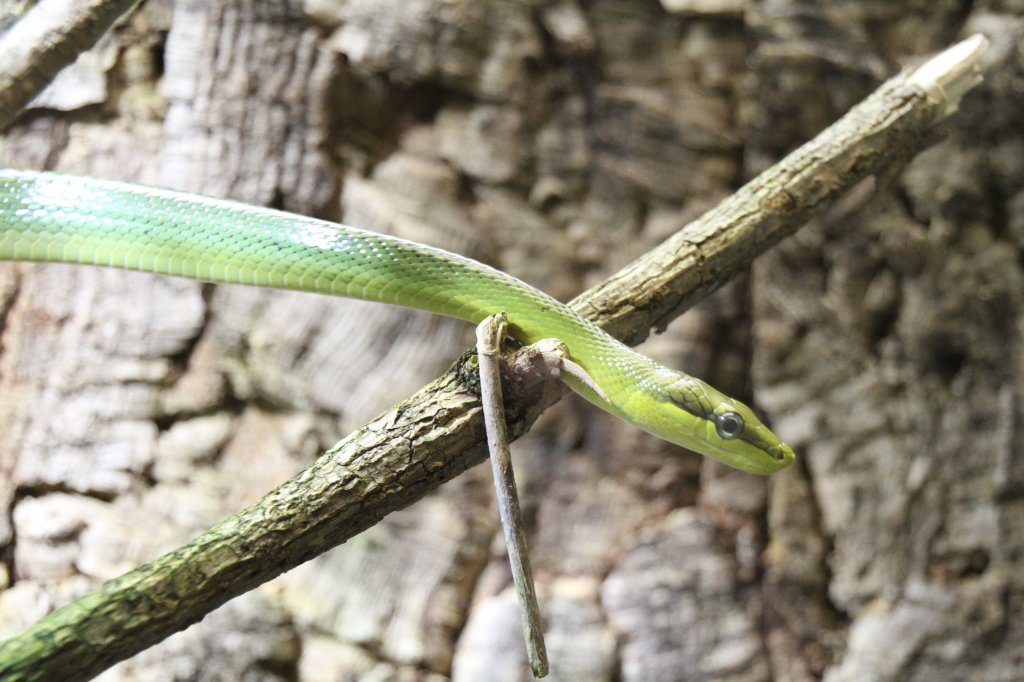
x,y
50,36
436,434
489,335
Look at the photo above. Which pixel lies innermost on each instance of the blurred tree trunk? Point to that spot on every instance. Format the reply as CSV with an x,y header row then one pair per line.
x,y
558,140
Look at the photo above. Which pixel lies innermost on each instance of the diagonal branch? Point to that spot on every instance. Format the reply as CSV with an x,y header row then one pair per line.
x,y
50,36
438,433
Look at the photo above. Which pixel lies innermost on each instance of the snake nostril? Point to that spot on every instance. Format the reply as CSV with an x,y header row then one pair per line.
x,y
783,453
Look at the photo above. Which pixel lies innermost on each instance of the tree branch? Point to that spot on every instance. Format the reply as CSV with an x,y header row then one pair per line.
x,y
490,336
438,433
50,36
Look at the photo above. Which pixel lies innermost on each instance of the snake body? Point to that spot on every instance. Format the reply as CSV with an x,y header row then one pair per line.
x,y
69,219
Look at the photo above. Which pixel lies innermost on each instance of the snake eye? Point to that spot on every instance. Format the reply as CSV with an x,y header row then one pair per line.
x,y
729,425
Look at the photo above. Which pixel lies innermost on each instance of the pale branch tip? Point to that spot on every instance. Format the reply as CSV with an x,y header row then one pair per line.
x,y
947,76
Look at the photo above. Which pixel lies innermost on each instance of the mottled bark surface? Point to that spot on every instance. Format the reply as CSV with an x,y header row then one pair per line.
x,y
890,354
557,140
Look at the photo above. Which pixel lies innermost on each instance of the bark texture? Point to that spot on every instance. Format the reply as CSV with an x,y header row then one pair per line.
x,y
559,140
44,42
890,354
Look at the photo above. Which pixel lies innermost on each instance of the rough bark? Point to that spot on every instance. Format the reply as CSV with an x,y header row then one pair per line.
x,y
45,41
530,132
890,336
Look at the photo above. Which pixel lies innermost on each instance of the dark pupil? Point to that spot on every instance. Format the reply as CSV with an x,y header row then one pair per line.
x,y
729,425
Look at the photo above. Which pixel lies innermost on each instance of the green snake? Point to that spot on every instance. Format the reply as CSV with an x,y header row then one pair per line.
x,y
68,219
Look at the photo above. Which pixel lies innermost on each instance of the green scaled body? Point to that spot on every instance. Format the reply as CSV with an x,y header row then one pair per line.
x,y
67,219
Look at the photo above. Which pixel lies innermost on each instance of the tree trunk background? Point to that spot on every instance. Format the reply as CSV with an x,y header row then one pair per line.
x,y
558,140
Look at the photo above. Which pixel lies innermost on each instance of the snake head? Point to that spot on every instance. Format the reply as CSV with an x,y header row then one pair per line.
x,y
696,416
